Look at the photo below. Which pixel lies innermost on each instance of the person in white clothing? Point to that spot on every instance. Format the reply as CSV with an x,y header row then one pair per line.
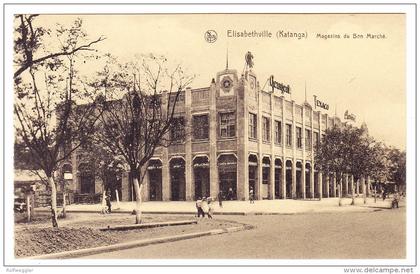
x,y
205,206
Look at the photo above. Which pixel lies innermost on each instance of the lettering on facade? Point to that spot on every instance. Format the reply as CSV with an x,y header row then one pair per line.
x,y
320,104
279,86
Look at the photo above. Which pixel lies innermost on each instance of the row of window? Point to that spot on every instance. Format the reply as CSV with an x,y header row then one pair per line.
x,y
227,128
252,131
200,125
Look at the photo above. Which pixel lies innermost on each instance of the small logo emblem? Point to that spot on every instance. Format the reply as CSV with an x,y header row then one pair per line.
x,y
210,36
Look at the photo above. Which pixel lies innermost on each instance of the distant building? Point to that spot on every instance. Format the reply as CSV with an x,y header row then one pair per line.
x,y
242,137
27,179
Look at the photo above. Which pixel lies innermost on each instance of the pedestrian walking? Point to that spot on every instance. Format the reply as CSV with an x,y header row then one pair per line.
x,y
198,205
205,206
384,195
251,195
108,200
220,198
395,201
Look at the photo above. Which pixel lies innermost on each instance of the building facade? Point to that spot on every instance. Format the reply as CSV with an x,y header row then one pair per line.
x,y
239,137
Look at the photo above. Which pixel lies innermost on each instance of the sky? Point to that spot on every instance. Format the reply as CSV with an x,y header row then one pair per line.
x,y
365,76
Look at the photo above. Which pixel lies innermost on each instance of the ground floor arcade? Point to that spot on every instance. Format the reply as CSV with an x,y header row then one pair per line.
x,y
278,178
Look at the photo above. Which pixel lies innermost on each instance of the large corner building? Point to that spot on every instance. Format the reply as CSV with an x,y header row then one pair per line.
x,y
241,137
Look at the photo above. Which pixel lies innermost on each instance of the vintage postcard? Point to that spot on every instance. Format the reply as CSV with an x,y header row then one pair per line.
x,y
213,135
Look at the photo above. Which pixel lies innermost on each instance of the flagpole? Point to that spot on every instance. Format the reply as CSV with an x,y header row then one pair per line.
x,y
335,112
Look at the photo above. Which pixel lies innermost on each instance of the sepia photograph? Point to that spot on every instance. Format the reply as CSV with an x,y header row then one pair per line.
x,y
195,137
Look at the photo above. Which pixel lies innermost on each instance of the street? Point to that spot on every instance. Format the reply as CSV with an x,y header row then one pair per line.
x,y
351,235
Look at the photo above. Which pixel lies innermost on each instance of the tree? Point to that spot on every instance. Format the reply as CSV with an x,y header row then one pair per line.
x,y
29,42
397,168
22,157
352,140
135,124
331,155
47,117
361,161
107,167
380,164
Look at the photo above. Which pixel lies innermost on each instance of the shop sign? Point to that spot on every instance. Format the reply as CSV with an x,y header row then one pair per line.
x,y
279,86
320,104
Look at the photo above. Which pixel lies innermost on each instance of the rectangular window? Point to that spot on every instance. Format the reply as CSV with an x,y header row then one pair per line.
x,y
227,124
252,127
177,129
201,127
298,137
308,139
277,136
316,138
266,129
289,135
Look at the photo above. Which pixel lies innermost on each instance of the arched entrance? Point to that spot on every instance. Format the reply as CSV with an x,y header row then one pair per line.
x,y
155,180
252,173
201,177
265,177
177,171
316,182
299,189
325,186
289,183
331,185
226,165
277,179
87,178
308,193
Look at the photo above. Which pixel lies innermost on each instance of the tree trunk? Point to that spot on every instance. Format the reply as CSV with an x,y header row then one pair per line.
x,y
28,207
374,193
118,199
103,205
64,204
339,195
138,188
352,192
339,190
32,204
53,201
364,191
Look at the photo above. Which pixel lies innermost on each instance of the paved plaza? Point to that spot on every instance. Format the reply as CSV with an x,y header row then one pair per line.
x,y
353,235
244,207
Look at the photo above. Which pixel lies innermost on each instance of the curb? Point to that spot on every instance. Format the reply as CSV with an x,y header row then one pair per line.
x,y
148,225
233,213
144,212
133,244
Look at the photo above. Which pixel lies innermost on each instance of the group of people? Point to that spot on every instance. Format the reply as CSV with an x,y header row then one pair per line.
x,y
395,198
204,207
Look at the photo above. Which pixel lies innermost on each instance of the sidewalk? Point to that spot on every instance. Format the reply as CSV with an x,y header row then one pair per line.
x,y
244,207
